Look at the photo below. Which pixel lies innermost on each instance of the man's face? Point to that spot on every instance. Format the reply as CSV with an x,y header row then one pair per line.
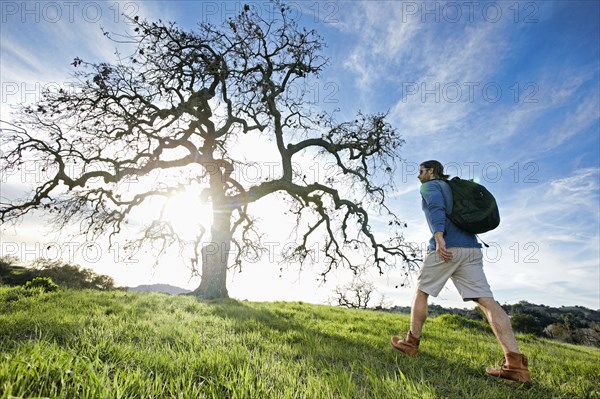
x,y
425,174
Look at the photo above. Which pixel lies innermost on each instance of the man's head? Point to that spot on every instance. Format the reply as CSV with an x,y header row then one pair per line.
x,y
430,170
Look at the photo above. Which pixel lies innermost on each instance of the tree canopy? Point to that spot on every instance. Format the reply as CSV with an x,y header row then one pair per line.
x,y
169,116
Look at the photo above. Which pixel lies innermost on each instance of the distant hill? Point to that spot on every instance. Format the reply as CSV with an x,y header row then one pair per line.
x,y
571,324
163,288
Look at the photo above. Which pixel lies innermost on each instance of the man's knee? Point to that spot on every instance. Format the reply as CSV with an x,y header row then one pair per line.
x,y
486,302
422,294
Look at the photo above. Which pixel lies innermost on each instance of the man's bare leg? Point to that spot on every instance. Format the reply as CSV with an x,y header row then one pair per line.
x,y
515,365
500,324
418,313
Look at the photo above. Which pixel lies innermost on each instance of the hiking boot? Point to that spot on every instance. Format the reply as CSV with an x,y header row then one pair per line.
x,y
408,345
513,368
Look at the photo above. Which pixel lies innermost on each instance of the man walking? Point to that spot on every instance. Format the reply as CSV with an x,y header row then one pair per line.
x,y
455,254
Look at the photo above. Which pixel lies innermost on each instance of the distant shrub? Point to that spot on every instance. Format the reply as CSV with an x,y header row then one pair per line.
x,y
580,336
72,276
12,274
526,323
36,287
66,275
44,283
17,293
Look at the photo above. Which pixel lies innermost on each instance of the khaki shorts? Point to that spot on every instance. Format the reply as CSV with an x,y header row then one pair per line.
x,y
465,269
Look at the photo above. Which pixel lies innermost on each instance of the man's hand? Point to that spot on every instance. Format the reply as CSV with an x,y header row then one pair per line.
x,y
440,246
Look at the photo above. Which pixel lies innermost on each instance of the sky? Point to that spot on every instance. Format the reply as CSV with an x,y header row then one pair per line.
x,y
506,93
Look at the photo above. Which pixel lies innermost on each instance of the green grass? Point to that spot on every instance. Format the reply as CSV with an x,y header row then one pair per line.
x,y
89,344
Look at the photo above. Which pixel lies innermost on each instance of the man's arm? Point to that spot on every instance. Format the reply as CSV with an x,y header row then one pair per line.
x,y
436,205
440,246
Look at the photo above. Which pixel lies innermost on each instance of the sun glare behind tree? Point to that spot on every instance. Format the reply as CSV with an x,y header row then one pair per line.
x,y
159,129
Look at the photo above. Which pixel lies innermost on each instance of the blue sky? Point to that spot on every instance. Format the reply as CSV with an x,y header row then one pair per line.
x,y
506,93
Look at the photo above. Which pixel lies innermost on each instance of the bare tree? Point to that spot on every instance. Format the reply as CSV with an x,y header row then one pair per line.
x,y
178,103
356,294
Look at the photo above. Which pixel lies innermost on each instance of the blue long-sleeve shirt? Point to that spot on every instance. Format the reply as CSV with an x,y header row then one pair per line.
x,y
436,204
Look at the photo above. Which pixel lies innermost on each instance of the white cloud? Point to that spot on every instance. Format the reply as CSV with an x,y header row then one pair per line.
x,y
551,95
584,116
395,48
37,56
19,57
581,186
549,238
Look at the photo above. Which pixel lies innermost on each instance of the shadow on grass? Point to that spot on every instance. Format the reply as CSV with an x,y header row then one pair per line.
x,y
443,376
247,317
453,378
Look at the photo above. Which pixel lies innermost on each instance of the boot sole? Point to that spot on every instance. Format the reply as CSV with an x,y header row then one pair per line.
x,y
509,380
401,351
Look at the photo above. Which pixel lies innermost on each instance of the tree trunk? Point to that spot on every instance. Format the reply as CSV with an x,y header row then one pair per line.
x,y
215,256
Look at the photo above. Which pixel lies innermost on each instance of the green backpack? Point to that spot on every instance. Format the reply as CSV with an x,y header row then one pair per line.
x,y
474,208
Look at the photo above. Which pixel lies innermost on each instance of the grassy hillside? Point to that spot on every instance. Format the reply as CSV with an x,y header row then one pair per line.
x,y
90,344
